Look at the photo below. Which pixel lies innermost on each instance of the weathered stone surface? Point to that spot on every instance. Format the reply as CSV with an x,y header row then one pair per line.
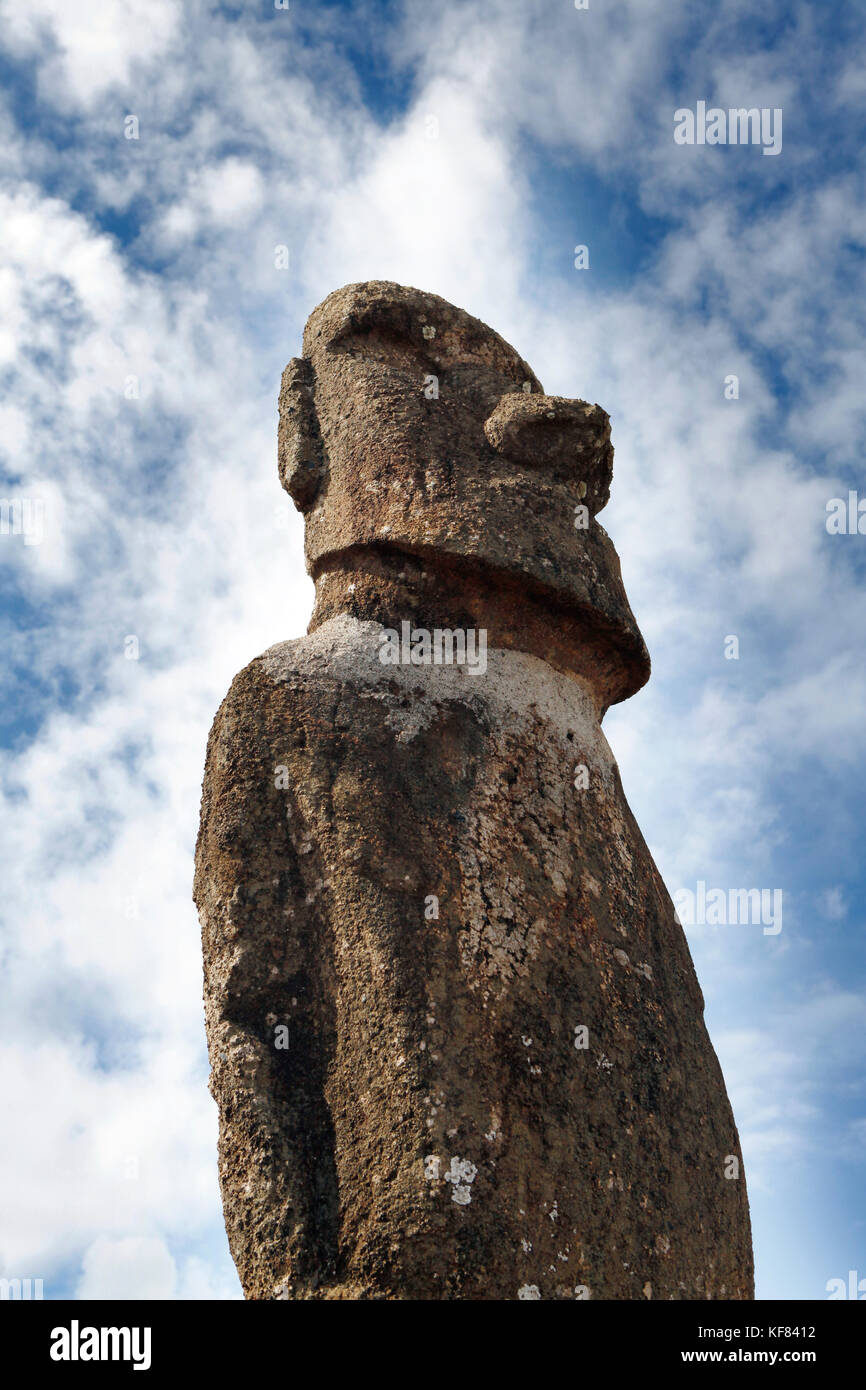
x,y
426,881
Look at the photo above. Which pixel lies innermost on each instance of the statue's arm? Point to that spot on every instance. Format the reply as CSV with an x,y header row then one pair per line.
x,y
267,1007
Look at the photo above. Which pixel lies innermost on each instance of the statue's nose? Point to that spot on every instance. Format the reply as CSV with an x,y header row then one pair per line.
x,y
569,438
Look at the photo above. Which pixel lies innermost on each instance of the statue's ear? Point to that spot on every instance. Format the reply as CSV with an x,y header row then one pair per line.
x,y
300,458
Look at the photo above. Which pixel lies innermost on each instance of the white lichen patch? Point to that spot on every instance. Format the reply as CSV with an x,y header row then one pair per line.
x,y
461,1175
528,1292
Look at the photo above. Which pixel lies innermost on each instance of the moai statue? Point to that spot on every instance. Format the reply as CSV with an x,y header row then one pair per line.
x,y
455,1032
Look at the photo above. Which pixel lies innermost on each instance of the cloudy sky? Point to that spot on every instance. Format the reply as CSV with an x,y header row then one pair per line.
x,y
146,313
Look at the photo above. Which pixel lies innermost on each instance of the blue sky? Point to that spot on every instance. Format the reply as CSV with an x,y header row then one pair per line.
x,y
143,329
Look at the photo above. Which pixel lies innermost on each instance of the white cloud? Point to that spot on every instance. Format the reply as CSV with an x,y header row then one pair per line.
x,y
134,1267
89,45
143,1267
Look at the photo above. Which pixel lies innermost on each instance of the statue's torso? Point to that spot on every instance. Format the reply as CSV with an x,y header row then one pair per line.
x,y
497,1072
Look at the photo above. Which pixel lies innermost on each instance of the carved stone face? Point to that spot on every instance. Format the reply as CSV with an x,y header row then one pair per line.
x,y
411,426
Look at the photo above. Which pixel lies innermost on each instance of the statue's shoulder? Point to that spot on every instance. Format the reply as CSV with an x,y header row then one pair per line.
x,y
344,651
293,679
275,682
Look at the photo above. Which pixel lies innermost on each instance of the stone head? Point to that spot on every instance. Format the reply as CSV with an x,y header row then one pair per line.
x,y
410,427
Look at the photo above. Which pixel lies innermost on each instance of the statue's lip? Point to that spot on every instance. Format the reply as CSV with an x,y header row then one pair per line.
x,y
604,597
